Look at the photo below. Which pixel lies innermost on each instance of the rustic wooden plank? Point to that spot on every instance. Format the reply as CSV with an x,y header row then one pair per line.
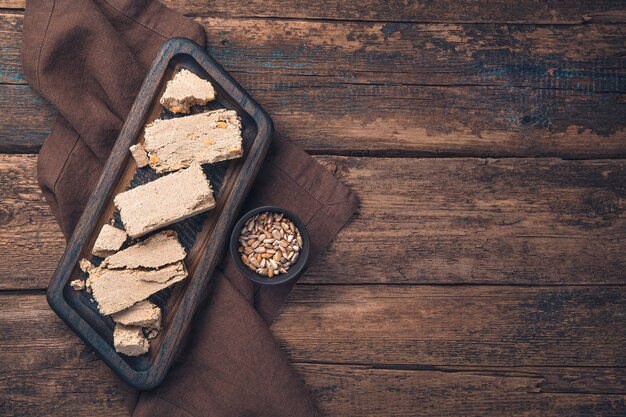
x,y
82,387
455,325
338,390
48,371
500,11
359,391
585,58
25,119
508,221
11,25
554,380
537,221
470,90
447,326
463,121
13,4
471,326
31,243
588,58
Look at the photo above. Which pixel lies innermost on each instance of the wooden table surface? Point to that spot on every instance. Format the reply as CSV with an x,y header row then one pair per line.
x,y
484,274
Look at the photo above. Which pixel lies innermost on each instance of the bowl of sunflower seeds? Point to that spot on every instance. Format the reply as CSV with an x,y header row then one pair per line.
x,y
270,245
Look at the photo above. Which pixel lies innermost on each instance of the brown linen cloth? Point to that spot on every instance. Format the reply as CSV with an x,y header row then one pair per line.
x,y
88,58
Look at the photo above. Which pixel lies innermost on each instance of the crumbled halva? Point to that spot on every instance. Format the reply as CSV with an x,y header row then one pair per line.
x,y
77,284
85,265
186,89
138,151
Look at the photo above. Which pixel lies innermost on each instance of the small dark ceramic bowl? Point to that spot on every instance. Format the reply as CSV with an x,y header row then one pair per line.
x,y
294,270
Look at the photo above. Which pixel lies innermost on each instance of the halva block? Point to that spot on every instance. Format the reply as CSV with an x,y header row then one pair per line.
x,y
203,138
164,201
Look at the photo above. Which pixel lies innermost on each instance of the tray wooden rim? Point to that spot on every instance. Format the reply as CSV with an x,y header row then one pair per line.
x,y
213,251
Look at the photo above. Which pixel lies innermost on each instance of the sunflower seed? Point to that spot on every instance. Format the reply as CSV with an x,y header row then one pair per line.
x,y
269,244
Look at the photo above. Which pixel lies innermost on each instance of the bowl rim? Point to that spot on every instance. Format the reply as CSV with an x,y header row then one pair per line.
x,y
294,271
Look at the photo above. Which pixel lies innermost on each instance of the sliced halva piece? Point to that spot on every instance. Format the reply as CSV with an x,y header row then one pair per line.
x,y
143,314
164,201
130,340
185,90
138,151
117,289
160,249
203,138
109,241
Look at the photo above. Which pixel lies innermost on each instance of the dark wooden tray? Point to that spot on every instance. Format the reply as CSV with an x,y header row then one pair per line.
x,y
204,236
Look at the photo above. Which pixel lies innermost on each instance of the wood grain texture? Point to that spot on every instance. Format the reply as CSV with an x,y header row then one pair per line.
x,y
584,58
500,11
48,371
509,221
360,391
473,90
455,325
536,221
11,26
25,119
31,243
